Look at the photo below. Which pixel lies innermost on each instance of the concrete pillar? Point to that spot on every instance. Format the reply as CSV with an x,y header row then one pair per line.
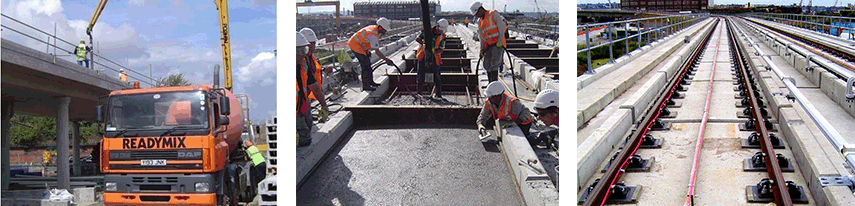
x,y
62,168
75,132
4,123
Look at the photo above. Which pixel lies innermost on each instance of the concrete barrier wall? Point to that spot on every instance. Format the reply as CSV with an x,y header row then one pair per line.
x,y
640,100
835,88
597,147
536,189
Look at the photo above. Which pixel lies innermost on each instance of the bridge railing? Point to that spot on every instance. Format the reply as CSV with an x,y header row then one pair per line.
x,y
57,47
832,25
646,30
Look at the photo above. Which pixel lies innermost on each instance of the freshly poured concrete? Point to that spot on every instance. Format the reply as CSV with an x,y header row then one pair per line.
x,y
422,165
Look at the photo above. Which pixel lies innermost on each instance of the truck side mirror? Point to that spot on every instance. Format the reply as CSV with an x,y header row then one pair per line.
x,y
225,108
99,113
224,120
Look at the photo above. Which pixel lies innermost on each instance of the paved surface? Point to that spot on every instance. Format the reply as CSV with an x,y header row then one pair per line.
x,y
426,165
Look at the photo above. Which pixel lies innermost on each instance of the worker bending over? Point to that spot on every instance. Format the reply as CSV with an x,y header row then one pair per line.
x,y
80,51
305,84
362,43
259,167
500,105
438,45
314,66
491,33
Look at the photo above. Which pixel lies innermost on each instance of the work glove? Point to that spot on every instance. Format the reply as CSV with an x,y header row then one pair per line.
x,y
482,130
324,115
500,44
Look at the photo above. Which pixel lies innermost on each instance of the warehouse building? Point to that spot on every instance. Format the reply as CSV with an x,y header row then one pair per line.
x,y
400,10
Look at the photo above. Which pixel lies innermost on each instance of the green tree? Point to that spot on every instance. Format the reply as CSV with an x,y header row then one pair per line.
x,y
173,80
31,131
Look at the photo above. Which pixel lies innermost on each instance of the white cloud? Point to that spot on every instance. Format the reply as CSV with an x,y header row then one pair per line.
x,y
261,66
142,2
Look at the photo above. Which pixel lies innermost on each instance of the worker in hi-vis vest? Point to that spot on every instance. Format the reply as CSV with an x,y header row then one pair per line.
x,y
80,52
491,33
438,32
259,167
362,43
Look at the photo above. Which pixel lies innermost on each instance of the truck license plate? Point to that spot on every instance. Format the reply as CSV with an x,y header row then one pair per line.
x,y
152,162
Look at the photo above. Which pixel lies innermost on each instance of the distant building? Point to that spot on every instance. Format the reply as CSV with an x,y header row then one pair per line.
x,y
665,5
400,10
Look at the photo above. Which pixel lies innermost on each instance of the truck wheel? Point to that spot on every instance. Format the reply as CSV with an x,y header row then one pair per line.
x,y
230,197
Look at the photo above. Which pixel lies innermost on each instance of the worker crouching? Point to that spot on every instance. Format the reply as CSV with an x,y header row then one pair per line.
x,y
502,106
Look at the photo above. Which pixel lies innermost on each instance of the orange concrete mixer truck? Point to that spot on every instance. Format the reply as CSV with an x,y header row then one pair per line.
x,y
173,146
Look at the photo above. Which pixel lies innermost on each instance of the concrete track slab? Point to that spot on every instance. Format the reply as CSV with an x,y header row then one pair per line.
x,y
428,165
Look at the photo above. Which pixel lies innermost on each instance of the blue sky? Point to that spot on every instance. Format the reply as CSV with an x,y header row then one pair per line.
x,y
457,5
173,36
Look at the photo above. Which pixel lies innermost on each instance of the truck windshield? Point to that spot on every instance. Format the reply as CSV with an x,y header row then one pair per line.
x,y
157,111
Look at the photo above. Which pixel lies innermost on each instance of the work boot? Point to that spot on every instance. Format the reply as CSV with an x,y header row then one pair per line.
x,y
304,143
374,84
368,88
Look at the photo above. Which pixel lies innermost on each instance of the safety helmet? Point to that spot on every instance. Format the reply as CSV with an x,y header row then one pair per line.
x,y
474,7
383,22
494,88
545,99
443,24
301,40
82,41
122,70
309,34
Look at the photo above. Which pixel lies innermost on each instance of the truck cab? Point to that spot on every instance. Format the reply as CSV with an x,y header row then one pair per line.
x,y
171,146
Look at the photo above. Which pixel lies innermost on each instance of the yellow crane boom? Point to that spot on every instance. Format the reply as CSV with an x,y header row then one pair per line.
x,y
94,19
223,8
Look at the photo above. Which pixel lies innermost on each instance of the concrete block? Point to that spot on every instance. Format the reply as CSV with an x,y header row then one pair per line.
x,y
535,188
643,97
599,145
838,195
84,194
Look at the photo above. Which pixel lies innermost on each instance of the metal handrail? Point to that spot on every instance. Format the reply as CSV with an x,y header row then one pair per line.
x,y
844,74
681,22
55,46
810,19
840,144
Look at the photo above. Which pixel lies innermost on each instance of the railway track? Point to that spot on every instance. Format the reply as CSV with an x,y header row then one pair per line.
x,y
718,143
844,52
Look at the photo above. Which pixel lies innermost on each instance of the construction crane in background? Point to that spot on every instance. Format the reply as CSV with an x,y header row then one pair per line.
x,y
810,6
336,3
94,19
835,6
222,7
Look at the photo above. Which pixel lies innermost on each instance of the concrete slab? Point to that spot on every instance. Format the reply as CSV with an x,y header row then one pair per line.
x,y
429,165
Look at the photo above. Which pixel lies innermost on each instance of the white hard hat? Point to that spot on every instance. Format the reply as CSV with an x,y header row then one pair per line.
x,y
494,88
301,40
309,34
443,24
383,22
121,70
474,7
545,99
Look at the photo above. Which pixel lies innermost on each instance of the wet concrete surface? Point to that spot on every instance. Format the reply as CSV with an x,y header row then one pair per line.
x,y
417,165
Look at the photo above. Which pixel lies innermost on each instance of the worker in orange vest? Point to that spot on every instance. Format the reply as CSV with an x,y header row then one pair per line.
x,y
491,33
438,45
362,43
305,83
314,66
501,105
466,21
453,22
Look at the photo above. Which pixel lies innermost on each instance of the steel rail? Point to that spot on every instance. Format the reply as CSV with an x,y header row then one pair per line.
x,y
773,169
601,190
815,44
